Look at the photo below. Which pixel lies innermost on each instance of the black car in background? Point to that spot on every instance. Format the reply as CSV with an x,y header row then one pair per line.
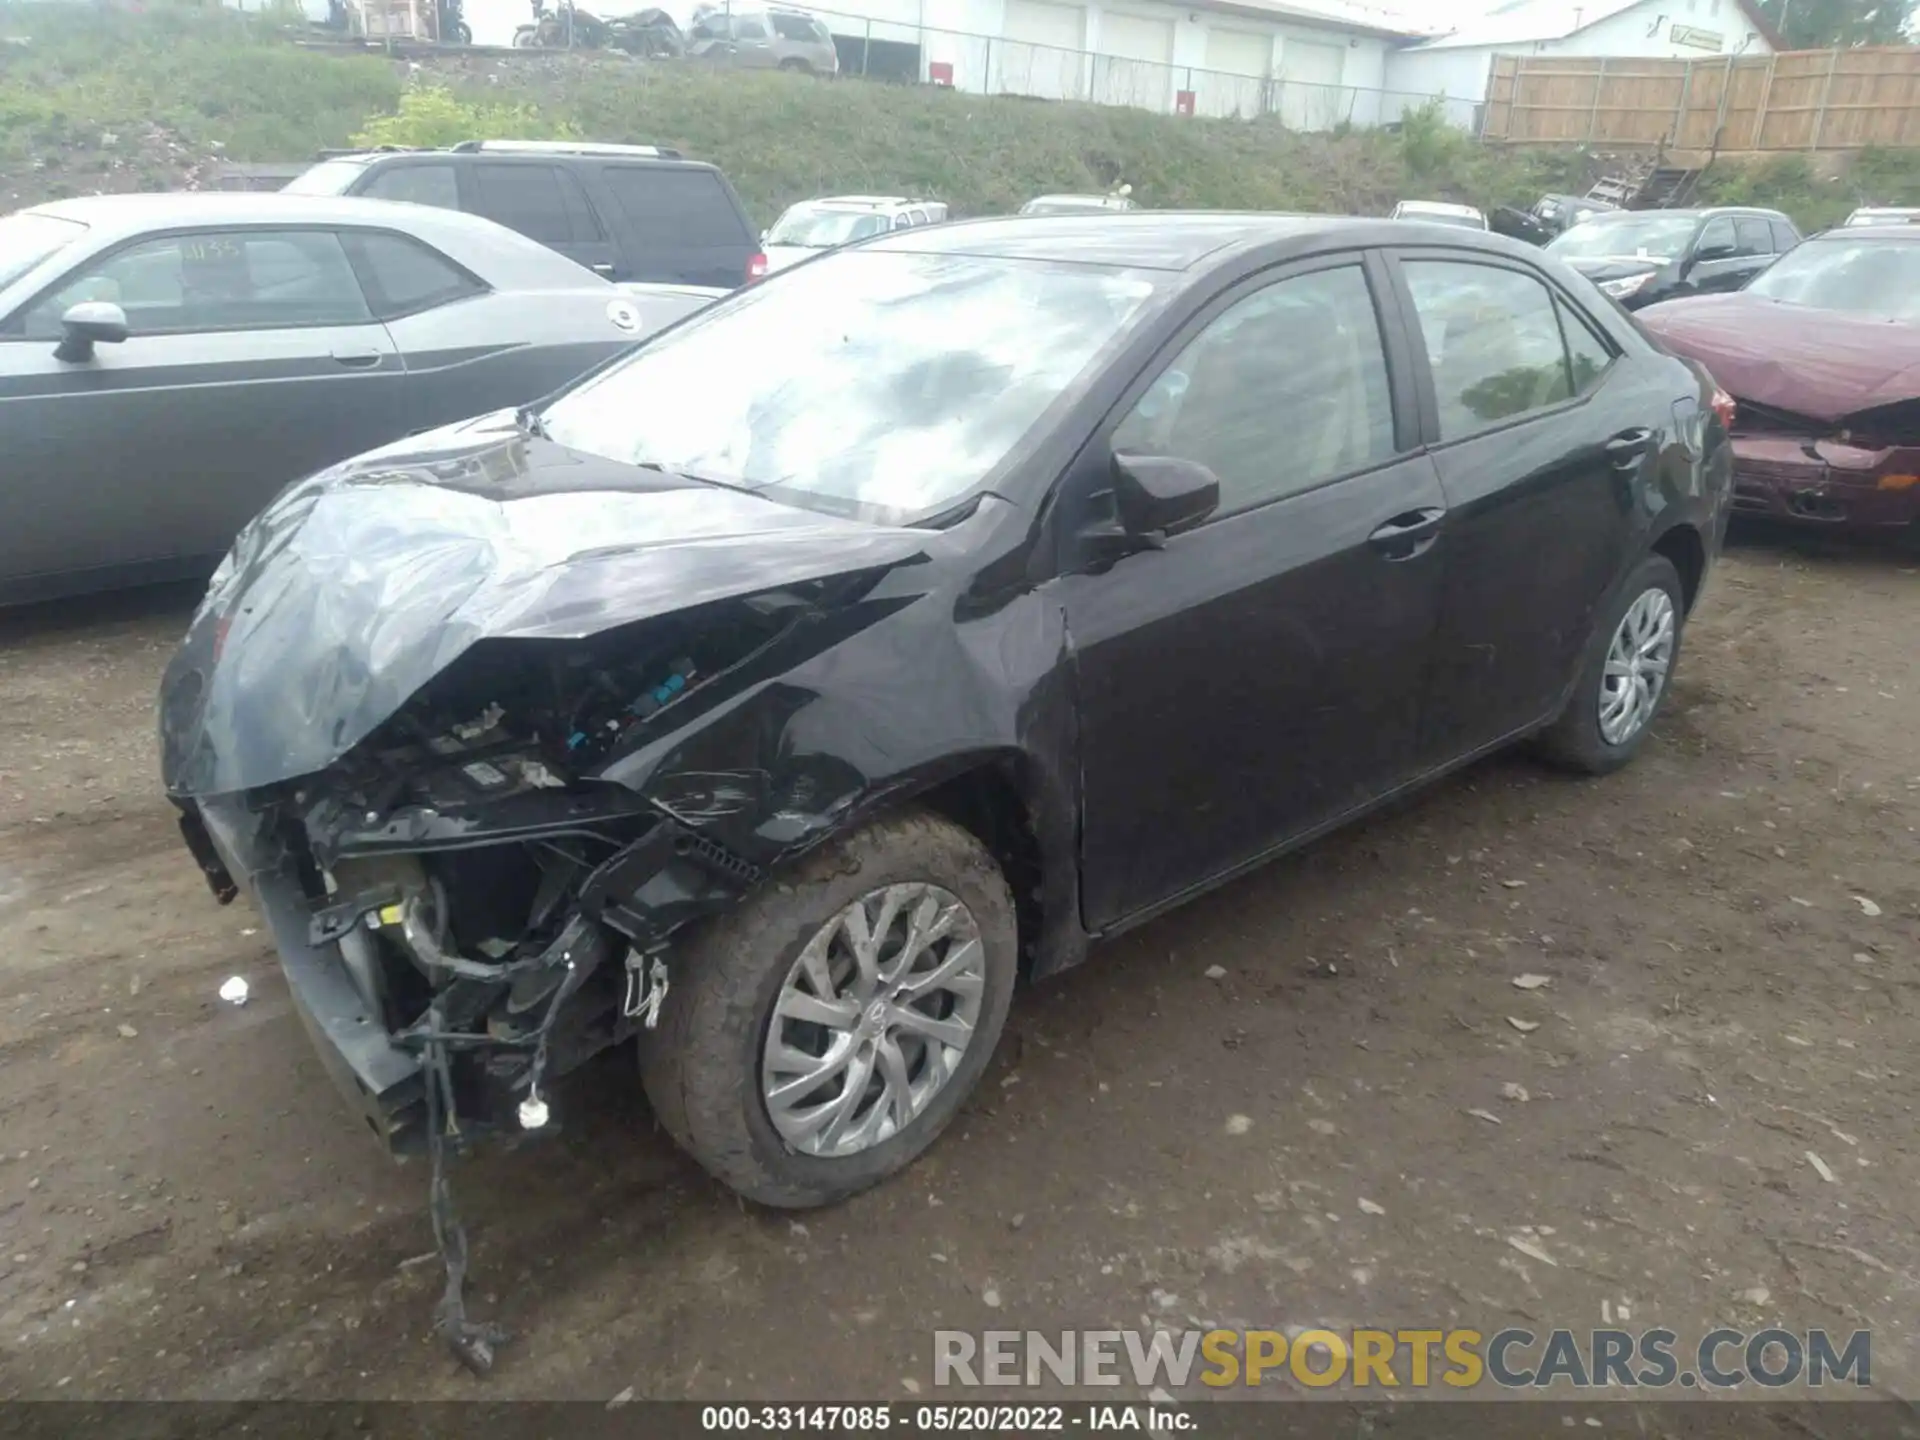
x,y
1641,257
629,213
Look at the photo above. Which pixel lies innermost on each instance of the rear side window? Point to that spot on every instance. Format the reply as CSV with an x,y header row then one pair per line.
x,y
748,29
1754,236
792,27
417,184
542,202
676,209
1493,343
404,277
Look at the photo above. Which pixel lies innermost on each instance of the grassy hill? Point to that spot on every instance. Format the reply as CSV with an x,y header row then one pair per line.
x,y
101,99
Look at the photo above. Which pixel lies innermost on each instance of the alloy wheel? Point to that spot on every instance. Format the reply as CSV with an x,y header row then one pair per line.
x,y
872,1020
1637,664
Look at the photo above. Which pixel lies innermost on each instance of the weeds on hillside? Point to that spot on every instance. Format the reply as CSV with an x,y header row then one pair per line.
x,y
432,115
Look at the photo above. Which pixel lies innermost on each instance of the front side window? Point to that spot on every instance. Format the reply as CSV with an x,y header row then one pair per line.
x,y
417,184
880,385
1718,239
1493,343
1283,391
1753,236
1879,278
216,280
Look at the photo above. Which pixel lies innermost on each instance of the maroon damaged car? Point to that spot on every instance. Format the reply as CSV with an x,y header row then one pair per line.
x,y
1822,356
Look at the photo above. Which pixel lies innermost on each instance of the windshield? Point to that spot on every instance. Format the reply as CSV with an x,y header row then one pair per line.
x,y
877,384
329,177
1640,237
1880,278
26,239
819,229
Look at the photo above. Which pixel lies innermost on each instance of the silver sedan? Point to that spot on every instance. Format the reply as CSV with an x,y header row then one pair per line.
x,y
169,362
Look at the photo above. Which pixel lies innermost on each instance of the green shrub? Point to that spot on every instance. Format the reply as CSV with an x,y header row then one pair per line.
x,y
431,115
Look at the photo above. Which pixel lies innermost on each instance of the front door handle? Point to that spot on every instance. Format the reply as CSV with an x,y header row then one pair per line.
x,y
1629,445
357,359
1409,534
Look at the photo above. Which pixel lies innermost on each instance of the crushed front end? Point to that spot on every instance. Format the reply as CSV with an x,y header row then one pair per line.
x,y
1861,473
478,744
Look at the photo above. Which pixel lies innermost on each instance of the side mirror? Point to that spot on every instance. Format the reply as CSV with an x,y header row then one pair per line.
x,y
1710,252
1160,495
90,323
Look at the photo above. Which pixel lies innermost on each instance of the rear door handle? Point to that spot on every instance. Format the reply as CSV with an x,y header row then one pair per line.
x,y
1409,534
1629,445
357,359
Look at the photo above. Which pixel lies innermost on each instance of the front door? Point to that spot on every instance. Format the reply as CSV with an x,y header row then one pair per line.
x,y
1539,430
1260,675
253,359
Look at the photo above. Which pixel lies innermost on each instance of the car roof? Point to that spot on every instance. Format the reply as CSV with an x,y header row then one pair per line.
x,y
1698,212
1437,207
1171,239
1894,231
471,240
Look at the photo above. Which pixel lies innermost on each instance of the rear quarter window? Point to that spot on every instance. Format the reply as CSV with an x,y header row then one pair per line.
x,y
676,209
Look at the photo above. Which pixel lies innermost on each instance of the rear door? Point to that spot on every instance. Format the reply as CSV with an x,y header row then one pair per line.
x,y
1538,426
543,201
254,359
753,43
678,224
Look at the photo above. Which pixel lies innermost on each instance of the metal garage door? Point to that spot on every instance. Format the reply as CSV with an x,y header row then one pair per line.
x,y
1134,63
1238,62
1312,98
1043,50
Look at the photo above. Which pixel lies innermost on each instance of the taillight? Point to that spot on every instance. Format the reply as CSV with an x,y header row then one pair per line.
x,y
756,268
1724,407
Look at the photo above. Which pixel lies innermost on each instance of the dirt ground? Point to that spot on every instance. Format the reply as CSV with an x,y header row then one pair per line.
x,y
187,1209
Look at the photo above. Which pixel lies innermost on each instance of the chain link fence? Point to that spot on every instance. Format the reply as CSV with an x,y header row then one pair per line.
x,y
878,49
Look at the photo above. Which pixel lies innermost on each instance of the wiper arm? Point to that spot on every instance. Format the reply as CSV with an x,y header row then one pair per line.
x,y
530,423
661,469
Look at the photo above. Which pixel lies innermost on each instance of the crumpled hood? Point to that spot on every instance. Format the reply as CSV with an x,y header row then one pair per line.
x,y
355,588
1824,364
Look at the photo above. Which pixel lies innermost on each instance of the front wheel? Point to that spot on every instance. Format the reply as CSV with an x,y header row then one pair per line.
x,y
820,1037
1624,675
526,38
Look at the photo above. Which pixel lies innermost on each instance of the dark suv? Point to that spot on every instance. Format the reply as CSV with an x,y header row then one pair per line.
x,y
632,213
1641,257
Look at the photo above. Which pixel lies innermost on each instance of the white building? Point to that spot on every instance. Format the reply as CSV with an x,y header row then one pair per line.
x,y
1458,64
1315,62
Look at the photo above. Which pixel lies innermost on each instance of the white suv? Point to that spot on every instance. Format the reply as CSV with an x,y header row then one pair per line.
x,y
834,220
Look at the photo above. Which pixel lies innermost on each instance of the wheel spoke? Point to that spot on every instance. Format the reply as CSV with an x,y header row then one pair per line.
x,y
944,975
809,1071
897,1100
954,1033
844,1106
834,1014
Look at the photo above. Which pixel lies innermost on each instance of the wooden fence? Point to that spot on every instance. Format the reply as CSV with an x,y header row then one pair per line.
x,y
1806,100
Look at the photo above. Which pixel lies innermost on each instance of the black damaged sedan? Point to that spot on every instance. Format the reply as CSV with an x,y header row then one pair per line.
x,y
784,691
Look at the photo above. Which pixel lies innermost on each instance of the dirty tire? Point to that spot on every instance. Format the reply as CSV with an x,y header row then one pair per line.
x,y
794,65
701,1066
1574,741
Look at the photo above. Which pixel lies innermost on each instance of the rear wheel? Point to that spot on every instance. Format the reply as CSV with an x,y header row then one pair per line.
x,y
1624,675
817,1039
793,65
